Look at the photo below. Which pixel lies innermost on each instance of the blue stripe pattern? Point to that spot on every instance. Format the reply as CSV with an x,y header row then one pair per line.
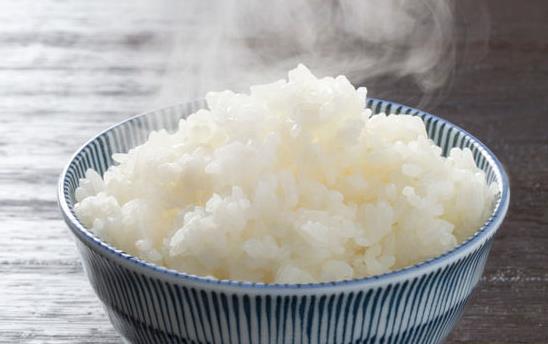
x,y
151,304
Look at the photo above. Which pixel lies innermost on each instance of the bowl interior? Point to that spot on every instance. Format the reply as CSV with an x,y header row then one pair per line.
x,y
97,154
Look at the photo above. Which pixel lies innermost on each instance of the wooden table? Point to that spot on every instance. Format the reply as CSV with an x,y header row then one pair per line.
x,y
70,69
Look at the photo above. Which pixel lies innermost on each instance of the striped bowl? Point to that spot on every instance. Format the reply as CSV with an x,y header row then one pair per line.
x,y
147,303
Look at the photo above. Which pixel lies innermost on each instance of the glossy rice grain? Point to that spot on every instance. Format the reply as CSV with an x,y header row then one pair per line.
x,y
294,182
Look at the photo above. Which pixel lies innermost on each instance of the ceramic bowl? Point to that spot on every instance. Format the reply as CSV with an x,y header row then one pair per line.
x,y
147,303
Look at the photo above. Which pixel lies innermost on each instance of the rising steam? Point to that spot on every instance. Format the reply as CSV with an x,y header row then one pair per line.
x,y
235,43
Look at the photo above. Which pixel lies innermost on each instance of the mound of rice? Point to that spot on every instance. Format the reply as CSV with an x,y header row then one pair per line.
x,y
292,183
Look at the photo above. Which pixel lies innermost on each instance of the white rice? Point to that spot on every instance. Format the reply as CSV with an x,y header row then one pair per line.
x,y
291,183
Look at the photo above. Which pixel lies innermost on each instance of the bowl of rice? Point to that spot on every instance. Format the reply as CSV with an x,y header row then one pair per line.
x,y
299,212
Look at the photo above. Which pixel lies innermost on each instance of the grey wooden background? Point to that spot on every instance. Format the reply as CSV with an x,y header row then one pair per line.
x,y
71,68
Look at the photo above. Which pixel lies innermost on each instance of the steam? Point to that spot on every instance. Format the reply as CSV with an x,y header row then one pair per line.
x,y
231,44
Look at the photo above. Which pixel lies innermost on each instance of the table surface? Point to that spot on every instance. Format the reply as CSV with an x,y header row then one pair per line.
x,y
70,69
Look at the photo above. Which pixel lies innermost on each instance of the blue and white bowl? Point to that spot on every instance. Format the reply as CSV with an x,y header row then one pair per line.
x,y
147,303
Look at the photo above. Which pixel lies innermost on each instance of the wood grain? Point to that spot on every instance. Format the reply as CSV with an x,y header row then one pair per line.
x,y
70,69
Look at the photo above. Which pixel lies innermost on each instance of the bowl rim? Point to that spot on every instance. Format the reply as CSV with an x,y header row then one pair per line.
x,y
484,233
